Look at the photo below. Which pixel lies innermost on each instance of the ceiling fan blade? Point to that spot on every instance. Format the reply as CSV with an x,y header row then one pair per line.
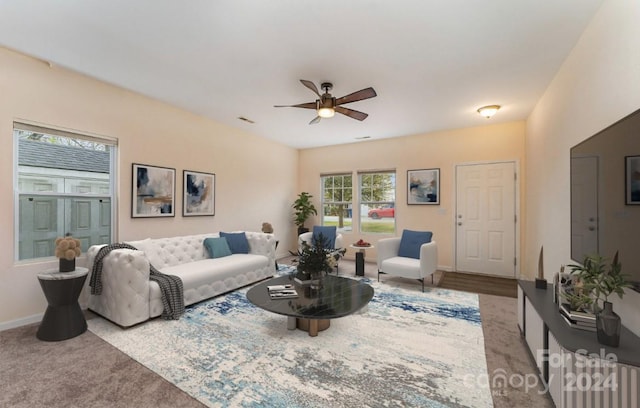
x,y
311,86
308,105
315,120
351,113
357,96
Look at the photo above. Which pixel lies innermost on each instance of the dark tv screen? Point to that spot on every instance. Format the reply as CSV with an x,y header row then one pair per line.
x,y
605,195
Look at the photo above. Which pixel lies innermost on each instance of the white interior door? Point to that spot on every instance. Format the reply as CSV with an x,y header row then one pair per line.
x,y
584,206
486,219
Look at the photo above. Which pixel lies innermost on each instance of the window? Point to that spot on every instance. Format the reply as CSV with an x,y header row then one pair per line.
x,y
378,202
337,201
64,185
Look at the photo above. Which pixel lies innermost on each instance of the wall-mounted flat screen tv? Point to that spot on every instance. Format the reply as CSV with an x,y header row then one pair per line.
x,y
605,195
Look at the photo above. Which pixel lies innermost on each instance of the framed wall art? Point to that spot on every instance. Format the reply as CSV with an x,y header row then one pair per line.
x,y
153,192
423,186
632,180
198,197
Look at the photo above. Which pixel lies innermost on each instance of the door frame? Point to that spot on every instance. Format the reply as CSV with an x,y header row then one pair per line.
x,y
454,193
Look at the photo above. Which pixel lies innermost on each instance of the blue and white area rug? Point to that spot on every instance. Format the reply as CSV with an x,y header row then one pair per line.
x,y
405,349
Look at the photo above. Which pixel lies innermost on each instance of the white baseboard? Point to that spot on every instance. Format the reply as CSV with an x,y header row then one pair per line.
x,y
12,324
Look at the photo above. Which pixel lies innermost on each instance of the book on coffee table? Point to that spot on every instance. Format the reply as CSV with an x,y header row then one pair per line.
x,y
282,292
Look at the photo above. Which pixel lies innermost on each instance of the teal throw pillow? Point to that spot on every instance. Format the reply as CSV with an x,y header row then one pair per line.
x,y
217,247
411,242
328,233
237,241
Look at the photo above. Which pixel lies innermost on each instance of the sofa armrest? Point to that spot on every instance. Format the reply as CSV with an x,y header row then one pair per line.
x,y
428,258
125,287
387,248
262,244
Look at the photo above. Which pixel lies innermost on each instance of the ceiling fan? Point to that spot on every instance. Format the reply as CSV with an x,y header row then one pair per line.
x,y
327,105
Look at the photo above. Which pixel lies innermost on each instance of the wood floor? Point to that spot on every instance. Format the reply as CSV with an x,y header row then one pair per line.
x,y
470,282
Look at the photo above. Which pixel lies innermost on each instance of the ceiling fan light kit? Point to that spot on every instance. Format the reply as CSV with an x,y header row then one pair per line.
x,y
488,111
326,106
326,112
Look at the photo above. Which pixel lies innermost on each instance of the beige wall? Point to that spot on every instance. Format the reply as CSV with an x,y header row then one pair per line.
x,y
597,85
148,132
444,150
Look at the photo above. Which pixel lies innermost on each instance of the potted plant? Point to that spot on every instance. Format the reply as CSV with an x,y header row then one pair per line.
x,y
304,208
67,249
601,280
316,260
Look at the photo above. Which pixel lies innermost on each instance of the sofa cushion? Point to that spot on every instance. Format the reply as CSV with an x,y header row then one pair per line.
x,y
238,243
403,267
217,247
328,233
411,241
229,272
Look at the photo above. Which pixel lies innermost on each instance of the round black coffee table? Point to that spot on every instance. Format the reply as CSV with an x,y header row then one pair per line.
x,y
313,309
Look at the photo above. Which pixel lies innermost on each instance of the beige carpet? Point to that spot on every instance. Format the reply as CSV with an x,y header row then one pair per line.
x,y
88,372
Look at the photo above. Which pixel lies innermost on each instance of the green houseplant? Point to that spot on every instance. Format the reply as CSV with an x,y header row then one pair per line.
x,y
601,279
317,259
304,208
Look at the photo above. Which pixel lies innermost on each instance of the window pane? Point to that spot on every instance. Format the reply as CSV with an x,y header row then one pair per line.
x,y
64,187
377,202
337,201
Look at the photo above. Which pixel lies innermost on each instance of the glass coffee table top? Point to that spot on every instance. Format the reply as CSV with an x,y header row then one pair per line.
x,y
337,297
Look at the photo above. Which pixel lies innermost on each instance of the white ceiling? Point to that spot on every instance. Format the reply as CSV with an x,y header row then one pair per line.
x,y
432,62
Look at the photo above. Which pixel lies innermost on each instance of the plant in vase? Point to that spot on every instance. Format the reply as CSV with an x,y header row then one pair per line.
x,y
318,259
601,279
304,208
67,249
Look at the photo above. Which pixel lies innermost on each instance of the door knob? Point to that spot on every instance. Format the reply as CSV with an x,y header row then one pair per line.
x,y
459,223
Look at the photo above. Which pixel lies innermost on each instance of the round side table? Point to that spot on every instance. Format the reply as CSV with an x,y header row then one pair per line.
x,y
63,318
360,258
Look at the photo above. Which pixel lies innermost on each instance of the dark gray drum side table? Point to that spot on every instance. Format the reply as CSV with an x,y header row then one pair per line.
x,y
63,318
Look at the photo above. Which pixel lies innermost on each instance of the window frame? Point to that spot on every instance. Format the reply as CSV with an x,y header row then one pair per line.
x,y
112,143
324,202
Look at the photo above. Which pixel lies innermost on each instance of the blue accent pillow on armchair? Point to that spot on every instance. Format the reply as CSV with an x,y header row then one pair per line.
x,y
328,233
237,241
411,242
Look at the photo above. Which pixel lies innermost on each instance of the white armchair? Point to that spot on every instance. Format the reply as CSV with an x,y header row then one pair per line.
x,y
306,237
390,263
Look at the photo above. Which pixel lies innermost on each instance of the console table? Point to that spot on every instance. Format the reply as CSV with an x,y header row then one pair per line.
x,y
63,318
579,371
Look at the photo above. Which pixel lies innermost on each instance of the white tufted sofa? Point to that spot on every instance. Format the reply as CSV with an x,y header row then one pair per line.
x,y
129,297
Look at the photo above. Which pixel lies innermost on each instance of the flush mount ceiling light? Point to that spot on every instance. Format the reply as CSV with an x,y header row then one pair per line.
x,y
488,111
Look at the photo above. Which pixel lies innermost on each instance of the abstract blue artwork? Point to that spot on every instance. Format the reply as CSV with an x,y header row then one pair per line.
x,y
199,193
153,192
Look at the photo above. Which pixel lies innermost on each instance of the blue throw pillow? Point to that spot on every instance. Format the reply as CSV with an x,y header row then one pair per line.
x,y
237,241
217,247
328,233
411,241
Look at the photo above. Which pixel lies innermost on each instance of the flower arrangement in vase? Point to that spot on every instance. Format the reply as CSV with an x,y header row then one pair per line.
x,y
67,249
600,279
318,259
